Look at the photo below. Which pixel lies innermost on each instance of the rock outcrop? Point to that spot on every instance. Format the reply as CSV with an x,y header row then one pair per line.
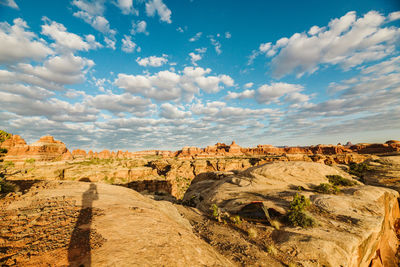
x,y
354,227
87,224
45,149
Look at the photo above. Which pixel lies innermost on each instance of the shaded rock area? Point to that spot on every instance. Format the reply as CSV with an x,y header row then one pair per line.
x,y
73,223
384,171
356,227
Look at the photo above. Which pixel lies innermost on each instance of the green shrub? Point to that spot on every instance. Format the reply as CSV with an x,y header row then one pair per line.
x,y
236,219
8,164
297,215
216,213
325,188
358,169
340,181
30,161
3,150
4,136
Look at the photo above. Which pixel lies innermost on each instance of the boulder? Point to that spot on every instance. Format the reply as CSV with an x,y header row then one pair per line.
x,y
89,224
354,227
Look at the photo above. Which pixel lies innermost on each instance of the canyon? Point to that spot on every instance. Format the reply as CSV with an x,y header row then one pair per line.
x,y
200,199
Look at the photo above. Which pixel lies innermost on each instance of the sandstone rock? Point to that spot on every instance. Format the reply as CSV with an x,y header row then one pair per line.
x,y
355,227
79,154
90,224
14,140
45,149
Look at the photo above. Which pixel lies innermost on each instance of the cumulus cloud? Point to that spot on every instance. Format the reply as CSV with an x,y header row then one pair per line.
x,y
157,6
16,43
110,42
240,95
139,27
64,39
152,61
92,13
228,35
170,111
128,46
116,103
64,69
194,58
347,41
126,6
52,108
167,85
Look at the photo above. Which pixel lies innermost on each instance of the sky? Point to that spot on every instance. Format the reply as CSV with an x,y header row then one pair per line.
x,y
163,74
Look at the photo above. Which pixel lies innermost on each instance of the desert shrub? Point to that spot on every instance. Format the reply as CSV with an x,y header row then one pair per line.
x,y
235,219
297,215
340,181
30,161
325,188
358,169
271,250
3,150
6,186
8,164
252,232
4,136
216,213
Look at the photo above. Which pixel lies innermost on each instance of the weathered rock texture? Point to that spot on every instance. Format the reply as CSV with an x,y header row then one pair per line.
x,y
76,223
355,227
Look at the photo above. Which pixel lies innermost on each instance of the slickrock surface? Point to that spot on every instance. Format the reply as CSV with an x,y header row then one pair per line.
x,y
355,227
73,223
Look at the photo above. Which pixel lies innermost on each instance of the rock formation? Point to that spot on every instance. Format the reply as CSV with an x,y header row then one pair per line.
x,y
86,224
45,149
354,227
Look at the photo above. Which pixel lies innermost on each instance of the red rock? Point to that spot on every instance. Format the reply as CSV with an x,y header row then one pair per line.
x,y
79,154
46,148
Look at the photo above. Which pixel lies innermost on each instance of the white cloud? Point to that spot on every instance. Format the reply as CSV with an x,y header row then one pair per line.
x,y
125,102
152,61
91,40
180,29
394,16
271,93
126,6
92,13
167,85
128,46
65,39
157,6
248,85
195,37
17,44
241,95
64,69
194,57
216,44
10,3
170,111
347,41
139,27
201,50
228,35
110,43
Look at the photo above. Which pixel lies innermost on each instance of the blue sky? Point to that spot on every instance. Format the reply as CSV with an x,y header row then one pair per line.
x,y
159,74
